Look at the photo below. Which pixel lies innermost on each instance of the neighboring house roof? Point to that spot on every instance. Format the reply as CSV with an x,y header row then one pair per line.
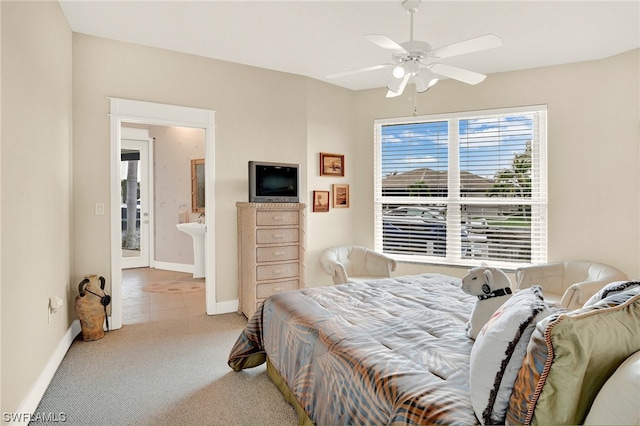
x,y
435,179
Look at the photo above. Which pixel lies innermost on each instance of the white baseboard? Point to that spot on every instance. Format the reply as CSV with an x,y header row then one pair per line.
x,y
176,267
31,402
226,307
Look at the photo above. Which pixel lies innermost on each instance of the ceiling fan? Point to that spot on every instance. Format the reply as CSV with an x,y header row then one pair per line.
x,y
416,59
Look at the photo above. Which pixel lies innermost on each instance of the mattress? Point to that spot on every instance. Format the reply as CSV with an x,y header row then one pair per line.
x,y
390,351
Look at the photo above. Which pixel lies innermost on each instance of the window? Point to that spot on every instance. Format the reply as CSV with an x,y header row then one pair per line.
x,y
463,188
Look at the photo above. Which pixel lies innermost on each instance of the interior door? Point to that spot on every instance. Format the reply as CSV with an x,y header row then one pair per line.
x,y
135,197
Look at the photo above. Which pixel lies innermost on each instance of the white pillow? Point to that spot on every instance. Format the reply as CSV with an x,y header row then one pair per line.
x,y
498,352
609,289
617,401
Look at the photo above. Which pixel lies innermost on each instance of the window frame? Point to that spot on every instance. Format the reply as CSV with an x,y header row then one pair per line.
x,y
454,200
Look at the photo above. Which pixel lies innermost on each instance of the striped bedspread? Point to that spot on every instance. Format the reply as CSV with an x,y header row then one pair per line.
x,y
392,351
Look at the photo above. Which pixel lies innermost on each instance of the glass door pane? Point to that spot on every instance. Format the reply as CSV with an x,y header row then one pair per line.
x,y
134,198
130,198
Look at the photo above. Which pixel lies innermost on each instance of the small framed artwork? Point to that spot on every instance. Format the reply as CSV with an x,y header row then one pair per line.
x,y
340,195
331,164
320,201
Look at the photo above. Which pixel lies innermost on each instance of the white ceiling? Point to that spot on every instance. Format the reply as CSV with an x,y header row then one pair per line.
x,y
316,38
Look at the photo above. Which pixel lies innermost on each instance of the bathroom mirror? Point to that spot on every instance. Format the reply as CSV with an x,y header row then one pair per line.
x,y
197,185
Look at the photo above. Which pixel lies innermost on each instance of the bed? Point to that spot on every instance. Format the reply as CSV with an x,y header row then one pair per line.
x,y
389,351
395,351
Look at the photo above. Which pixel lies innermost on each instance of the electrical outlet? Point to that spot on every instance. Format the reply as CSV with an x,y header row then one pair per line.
x,y
55,303
99,209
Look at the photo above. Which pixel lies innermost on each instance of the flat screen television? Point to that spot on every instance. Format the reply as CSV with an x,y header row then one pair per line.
x,y
273,182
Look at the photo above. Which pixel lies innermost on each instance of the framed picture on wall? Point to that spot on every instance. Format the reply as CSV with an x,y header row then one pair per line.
x,y
320,201
331,164
340,195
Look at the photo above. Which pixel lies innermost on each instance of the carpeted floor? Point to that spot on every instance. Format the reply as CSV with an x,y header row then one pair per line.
x,y
163,373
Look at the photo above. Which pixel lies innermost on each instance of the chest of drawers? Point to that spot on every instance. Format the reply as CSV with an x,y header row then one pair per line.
x,y
271,241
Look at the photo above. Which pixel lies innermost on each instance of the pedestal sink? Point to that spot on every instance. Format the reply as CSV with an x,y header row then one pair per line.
x,y
197,231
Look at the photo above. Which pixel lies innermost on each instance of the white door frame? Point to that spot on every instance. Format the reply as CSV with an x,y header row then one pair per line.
x,y
131,111
138,139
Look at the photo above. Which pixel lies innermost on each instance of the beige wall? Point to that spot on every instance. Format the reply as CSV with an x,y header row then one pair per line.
x,y
593,152
36,191
312,117
174,148
260,115
330,129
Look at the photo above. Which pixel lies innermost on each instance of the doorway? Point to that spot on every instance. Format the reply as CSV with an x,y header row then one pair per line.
x,y
129,111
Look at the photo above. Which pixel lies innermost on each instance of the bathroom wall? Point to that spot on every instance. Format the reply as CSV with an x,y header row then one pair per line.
x,y
174,148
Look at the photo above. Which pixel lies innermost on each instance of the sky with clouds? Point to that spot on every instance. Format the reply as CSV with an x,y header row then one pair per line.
x,y
487,144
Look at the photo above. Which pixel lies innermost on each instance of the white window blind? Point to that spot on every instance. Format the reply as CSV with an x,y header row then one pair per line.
x,y
463,188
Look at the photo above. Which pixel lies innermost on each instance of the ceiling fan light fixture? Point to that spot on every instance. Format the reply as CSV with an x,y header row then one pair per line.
x,y
422,84
398,71
432,82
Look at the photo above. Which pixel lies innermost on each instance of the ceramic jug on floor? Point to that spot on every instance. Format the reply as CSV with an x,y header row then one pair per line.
x,y
91,307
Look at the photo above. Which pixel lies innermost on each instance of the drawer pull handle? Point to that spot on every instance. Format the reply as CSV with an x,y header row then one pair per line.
x,y
277,289
278,235
278,253
277,271
278,218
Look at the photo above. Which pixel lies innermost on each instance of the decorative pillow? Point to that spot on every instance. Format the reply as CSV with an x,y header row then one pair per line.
x,y
570,357
620,391
498,351
609,289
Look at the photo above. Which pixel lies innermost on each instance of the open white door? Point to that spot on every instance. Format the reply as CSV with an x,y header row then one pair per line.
x,y
136,194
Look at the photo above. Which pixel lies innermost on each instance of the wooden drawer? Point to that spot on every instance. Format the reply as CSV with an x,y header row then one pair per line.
x,y
274,272
273,254
267,218
277,235
264,290
271,238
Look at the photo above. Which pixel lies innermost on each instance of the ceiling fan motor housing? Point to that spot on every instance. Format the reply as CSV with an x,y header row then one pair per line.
x,y
416,48
411,5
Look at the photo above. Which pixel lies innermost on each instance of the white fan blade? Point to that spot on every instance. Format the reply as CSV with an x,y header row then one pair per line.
x,y
397,85
385,42
456,73
488,41
365,69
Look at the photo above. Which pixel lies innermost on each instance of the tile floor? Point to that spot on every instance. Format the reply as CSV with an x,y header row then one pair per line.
x,y
141,306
